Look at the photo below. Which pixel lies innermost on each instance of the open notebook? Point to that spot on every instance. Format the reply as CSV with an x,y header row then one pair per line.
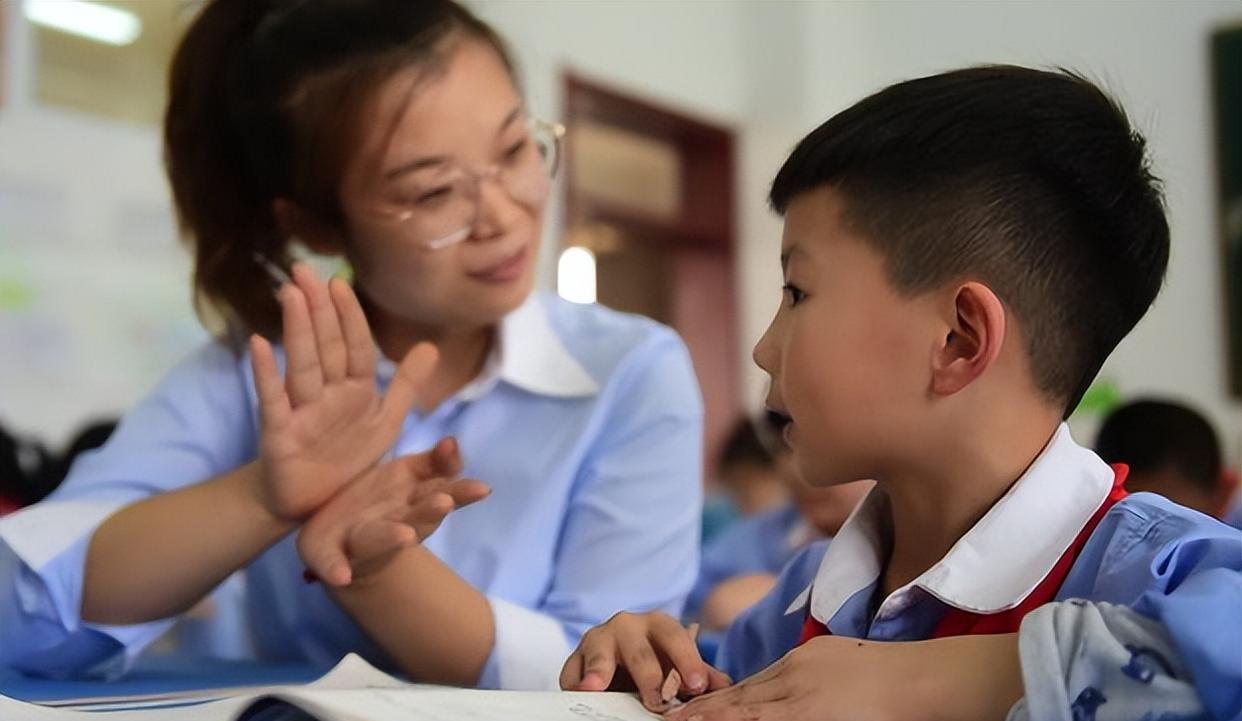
x,y
352,691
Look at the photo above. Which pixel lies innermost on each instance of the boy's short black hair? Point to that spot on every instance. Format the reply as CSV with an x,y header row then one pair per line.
x,y
1030,181
1154,435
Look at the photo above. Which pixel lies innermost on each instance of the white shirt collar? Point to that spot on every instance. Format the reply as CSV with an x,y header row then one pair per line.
x,y
998,562
527,354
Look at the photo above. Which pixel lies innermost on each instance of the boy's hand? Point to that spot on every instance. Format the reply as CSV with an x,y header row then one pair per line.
x,y
396,504
635,652
832,678
325,423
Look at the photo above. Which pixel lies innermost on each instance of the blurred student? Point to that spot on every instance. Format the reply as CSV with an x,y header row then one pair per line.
x,y
749,481
1171,450
23,471
740,565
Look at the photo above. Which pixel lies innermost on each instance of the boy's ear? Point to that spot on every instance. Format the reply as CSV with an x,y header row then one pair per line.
x,y
308,230
974,339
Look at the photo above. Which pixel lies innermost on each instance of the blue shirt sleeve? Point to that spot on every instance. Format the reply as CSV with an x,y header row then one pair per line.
x,y
765,631
631,536
196,425
1183,570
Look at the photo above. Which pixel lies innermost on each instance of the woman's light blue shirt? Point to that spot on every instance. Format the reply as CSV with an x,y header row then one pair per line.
x,y
586,422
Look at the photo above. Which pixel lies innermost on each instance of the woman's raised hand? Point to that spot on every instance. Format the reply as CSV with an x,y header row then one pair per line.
x,y
326,422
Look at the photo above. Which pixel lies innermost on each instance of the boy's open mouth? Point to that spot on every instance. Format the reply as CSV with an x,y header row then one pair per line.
x,y
778,419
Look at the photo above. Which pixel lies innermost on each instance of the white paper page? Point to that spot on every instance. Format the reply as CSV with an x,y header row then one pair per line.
x,y
356,691
437,703
220,710
352,672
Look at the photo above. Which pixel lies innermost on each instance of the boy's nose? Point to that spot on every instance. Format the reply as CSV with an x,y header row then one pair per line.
x,y
765,352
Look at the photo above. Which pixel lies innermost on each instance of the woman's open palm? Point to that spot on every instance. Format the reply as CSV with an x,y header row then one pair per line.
x,y
326,422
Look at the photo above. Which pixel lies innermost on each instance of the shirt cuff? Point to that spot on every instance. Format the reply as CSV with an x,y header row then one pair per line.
x,y
48,545
530,649
51,539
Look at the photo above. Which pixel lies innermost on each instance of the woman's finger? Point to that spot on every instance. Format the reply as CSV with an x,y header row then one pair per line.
x,y
408,381
324,321
322,548
467,490
303,376
446,458
359,346
370,540
274,406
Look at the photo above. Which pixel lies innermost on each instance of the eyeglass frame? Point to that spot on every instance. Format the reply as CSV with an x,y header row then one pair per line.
x,y
552,130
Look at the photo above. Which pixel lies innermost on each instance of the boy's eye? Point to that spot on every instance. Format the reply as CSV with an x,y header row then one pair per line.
x,y
795,294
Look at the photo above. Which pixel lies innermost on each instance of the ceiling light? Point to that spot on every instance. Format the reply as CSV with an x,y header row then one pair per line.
x,y
101,23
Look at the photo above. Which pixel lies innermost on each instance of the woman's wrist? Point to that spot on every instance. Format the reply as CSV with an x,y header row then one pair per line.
x,y
248,483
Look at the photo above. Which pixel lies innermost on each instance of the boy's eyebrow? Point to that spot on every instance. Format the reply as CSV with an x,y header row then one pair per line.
x,y
787,254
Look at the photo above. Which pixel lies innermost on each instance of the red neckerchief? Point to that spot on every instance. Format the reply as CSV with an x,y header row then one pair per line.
x,y
957,622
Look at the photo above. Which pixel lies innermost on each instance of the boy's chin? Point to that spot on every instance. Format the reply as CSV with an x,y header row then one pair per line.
x,y
821,477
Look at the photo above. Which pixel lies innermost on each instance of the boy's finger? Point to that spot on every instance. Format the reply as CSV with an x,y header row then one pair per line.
x,y
273,401
644,668
360,347
677,645
413,372
727,703
303,376
599,667
717,679
324,321
571,672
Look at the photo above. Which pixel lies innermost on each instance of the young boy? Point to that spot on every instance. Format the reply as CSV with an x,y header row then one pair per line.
x,y
961,253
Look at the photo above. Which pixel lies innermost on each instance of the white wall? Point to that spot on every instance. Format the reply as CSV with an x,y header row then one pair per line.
x,y
679,53
1154,57
88,248
738,64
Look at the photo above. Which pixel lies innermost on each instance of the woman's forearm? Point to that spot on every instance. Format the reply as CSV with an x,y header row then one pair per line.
x,y
158,557
434,625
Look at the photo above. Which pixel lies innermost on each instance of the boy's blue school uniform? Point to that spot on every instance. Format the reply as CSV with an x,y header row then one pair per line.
x,y
587,424
1153,575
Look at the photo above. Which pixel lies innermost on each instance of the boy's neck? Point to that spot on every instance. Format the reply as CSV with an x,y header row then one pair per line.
x,y
934,505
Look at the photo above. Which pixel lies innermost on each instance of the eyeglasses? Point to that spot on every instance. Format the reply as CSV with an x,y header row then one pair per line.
x,y
438,206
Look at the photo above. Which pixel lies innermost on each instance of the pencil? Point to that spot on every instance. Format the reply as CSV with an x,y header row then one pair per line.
x,y
672,684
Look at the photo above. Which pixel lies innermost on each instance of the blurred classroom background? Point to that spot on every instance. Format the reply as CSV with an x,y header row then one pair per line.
x,y
680,111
